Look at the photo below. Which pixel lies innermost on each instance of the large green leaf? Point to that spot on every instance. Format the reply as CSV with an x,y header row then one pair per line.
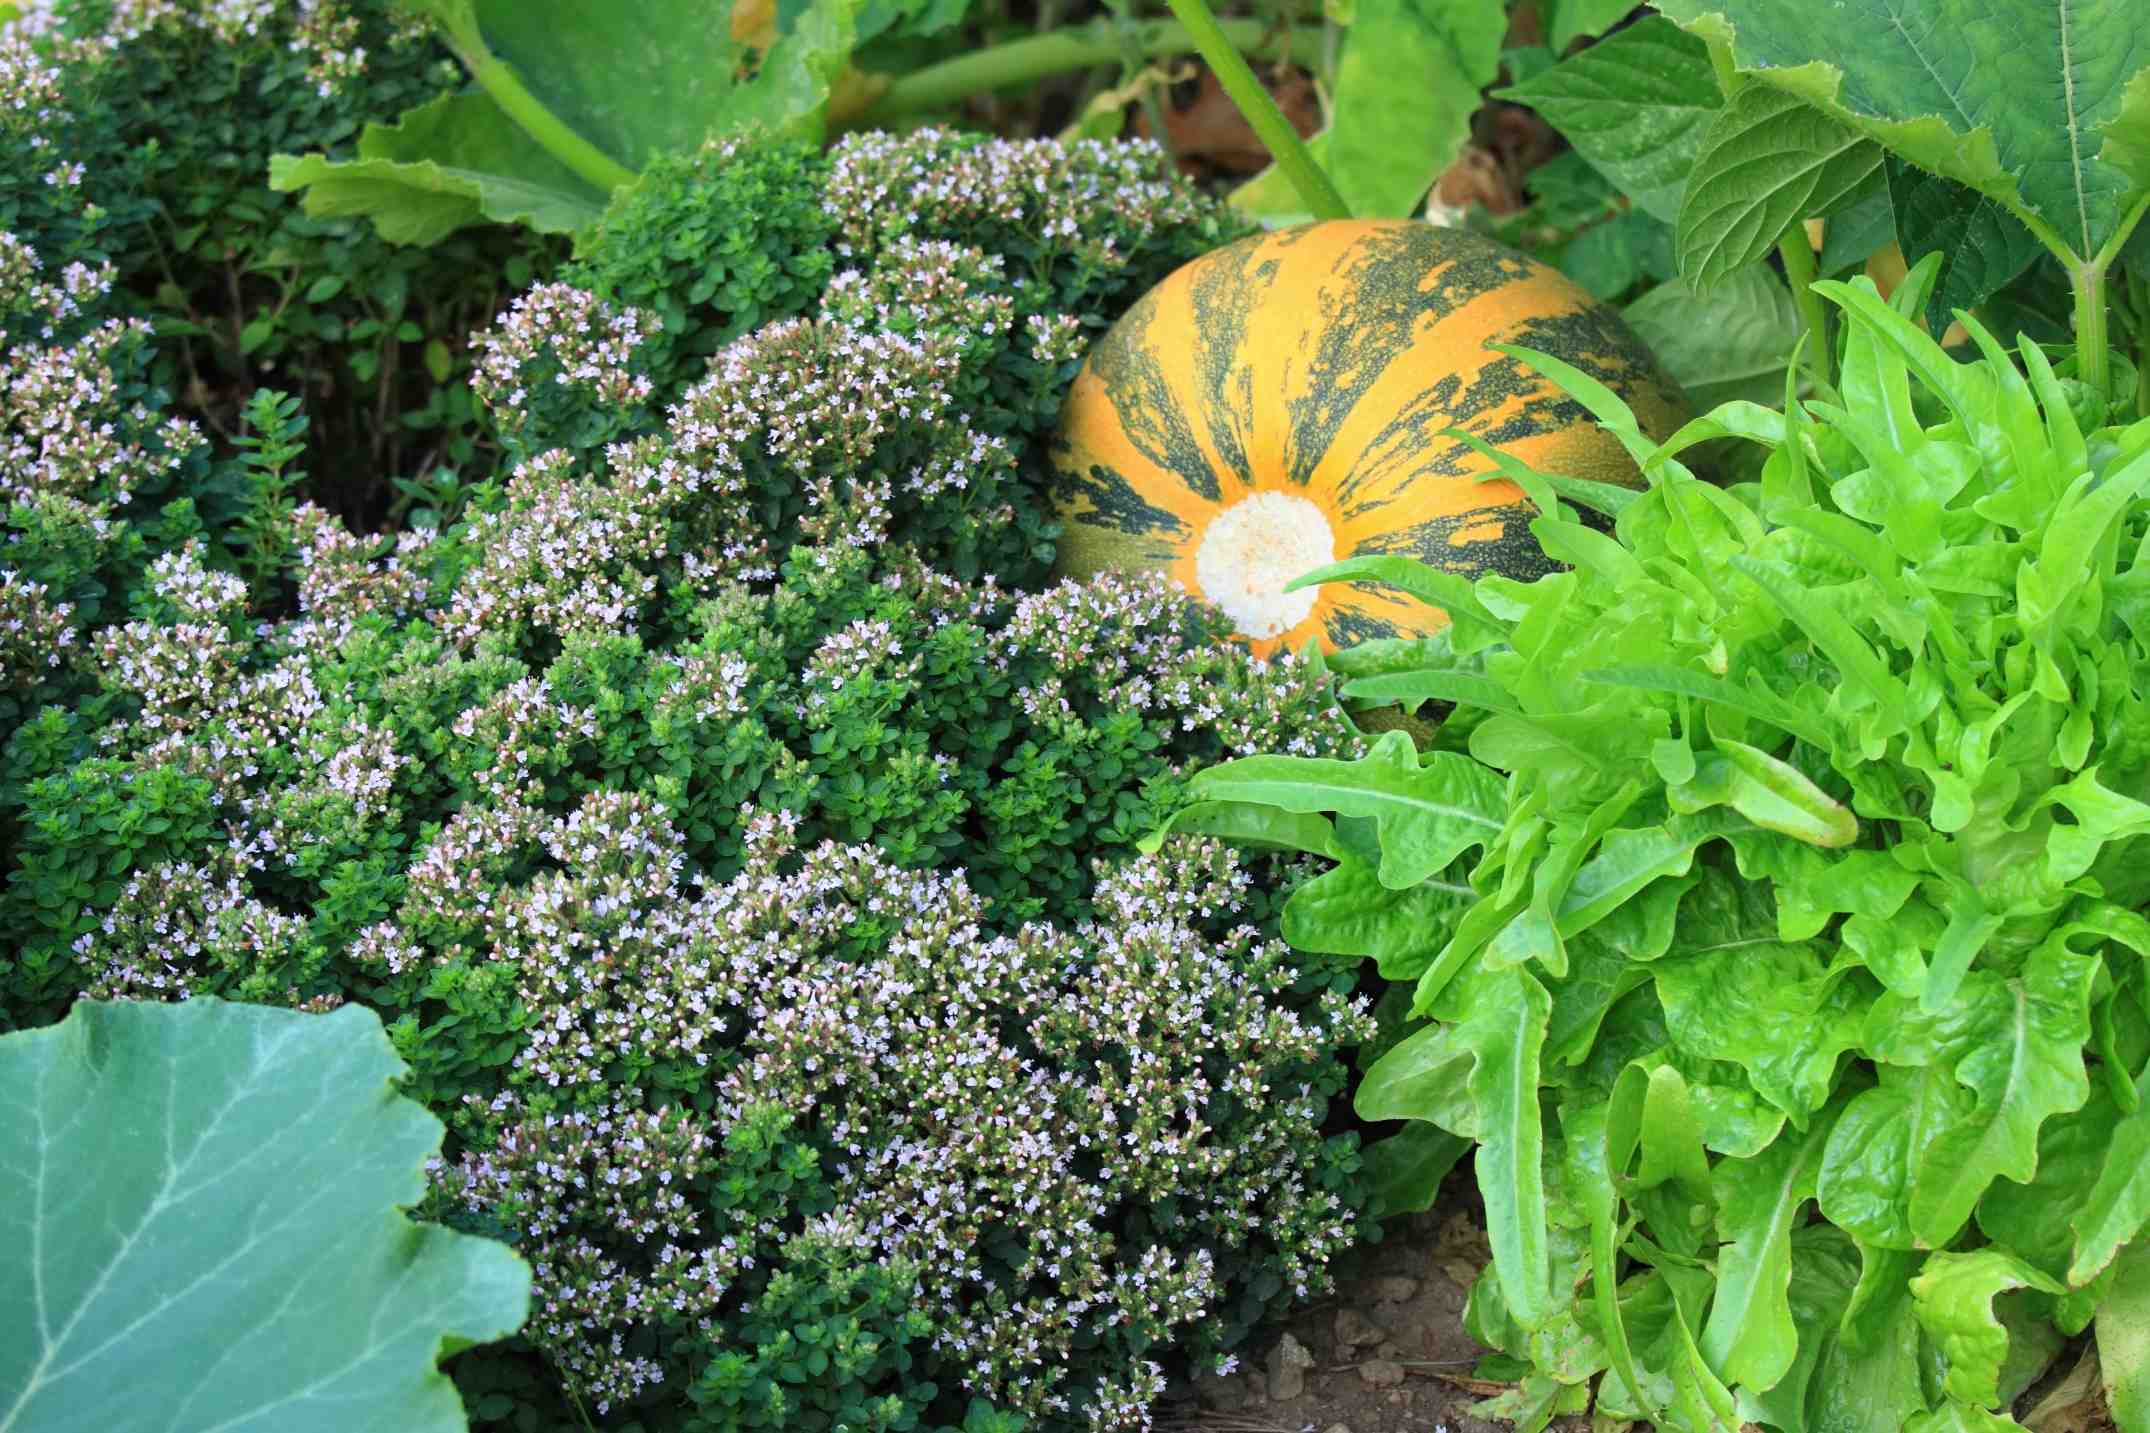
x,y
1750,1338
2021,1054
1346,910
447,164
1729,341
1506,1034
1635,106
2013,98
204,1229
623,83
2124,1341
1406,1169
637,80
1407,83
1768,161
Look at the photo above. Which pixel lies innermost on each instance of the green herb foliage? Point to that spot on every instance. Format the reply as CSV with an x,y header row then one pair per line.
x,y
1771,902
743,864
159,130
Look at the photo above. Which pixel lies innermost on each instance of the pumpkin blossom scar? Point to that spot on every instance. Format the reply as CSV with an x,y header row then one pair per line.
x,y
1252,549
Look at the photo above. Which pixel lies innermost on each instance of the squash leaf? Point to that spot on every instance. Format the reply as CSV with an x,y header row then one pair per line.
x,y
628,82
1407,83
205,1218
443,166
2034,103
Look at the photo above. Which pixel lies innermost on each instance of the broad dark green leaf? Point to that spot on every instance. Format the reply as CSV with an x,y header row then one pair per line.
x,y
1728,341
1768,161
205,1215
1635,106
1982,245
2013,98
1407,1168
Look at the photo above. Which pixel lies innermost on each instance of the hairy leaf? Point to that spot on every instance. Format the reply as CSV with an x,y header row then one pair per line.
x,y
2016,99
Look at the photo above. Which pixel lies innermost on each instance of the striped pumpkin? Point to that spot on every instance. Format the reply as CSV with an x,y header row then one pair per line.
x,y
1279,403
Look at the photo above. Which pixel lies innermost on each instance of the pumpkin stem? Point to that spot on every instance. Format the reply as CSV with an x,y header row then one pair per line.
x,y
1270,126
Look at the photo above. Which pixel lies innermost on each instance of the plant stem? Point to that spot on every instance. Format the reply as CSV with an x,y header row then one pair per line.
x,y
1260,110
1026,61
1799,270
2087,278
2092,363
553,135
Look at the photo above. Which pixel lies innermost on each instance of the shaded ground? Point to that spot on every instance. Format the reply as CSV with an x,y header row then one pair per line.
x,y
1385,1354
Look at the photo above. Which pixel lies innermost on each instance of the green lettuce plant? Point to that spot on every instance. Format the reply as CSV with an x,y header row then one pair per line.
x,y
205,1219
1769,909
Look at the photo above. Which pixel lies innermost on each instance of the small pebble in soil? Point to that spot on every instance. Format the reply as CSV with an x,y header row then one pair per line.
x,y
1396,1289
1222,1391
1355,1330
1288,1363
1380,1373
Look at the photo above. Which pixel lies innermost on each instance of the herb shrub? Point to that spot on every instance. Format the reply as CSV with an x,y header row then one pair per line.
x,y
735,839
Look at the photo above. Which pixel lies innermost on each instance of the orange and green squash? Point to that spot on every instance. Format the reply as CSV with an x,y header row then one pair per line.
x,y
1279,404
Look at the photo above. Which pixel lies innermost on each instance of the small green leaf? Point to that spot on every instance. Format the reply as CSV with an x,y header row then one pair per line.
x,y
1953,1296
1635,106
1247,824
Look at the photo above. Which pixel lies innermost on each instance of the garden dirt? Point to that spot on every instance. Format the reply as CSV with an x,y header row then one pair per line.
x,y
1386,1353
